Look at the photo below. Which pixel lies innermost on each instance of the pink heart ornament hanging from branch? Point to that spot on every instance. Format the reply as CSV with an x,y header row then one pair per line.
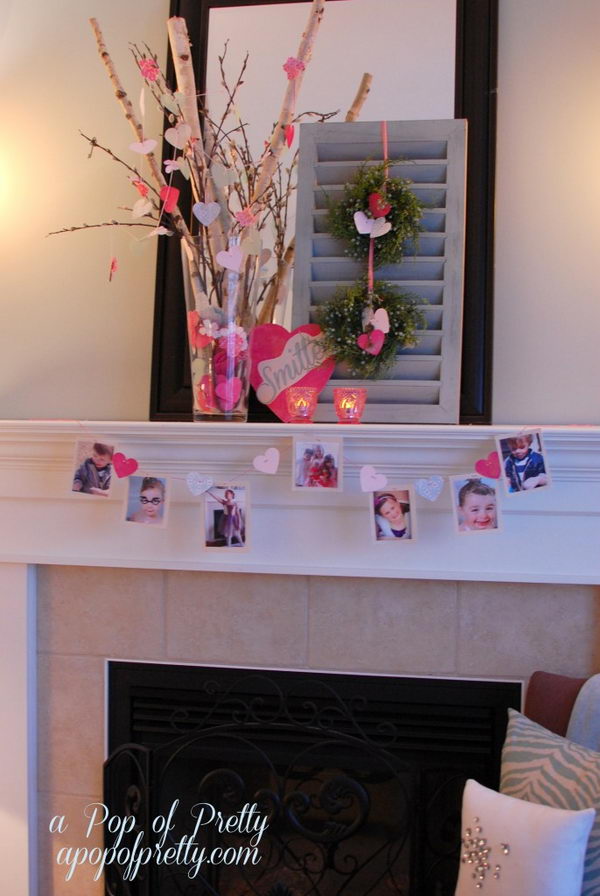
x,y
371,342
206,212
371,480
231,259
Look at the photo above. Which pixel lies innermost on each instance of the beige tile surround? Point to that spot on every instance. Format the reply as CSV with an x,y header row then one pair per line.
x,y
383,625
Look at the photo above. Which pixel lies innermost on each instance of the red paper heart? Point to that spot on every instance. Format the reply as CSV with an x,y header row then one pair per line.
x,y
371,342
124,466
289,134
170,197
268,343
228,391
378,206
489,466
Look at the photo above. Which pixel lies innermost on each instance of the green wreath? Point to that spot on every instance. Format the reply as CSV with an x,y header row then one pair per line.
x,y
341,320
404,214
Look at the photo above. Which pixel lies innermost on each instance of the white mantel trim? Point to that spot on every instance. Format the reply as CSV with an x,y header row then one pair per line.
x,y
549,536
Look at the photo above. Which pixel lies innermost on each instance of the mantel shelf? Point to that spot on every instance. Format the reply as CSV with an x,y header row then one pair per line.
x,y
550,535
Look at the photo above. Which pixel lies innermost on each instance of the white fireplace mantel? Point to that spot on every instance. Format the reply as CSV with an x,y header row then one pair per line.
x,y
550,535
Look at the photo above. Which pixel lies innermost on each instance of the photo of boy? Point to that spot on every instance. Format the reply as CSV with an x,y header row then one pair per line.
x,y
475,504
391,512
146,500
523,462
93,463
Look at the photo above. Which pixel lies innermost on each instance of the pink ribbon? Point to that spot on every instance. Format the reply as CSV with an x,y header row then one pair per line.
x,y
370,275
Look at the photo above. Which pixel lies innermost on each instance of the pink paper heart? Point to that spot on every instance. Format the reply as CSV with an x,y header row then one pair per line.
x,y
371,480
371,342
381,320
231,258
280,359
378,206
267,462
289,134
124,466
206,212
380,228
144,147
170,197
228,391
489,466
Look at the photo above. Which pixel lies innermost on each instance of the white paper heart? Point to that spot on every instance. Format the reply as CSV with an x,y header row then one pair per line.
x,y
371,480
381,320
169,102
363,223
179,135
251,244
222,176
141,207
144,147
264,257
430,488
206,212
380,228
198,484
267,462
231,258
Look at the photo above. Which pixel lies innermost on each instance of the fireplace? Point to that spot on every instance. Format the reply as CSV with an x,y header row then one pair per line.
x,y
327,783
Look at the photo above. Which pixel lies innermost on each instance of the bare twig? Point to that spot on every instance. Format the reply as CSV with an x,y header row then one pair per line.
x,y
361,95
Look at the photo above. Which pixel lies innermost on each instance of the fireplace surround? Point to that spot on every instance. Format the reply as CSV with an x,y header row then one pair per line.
x,y
443,609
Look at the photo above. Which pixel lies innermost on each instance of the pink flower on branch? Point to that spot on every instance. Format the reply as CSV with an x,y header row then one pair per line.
x,y
245,217
293,67
149,68
141,187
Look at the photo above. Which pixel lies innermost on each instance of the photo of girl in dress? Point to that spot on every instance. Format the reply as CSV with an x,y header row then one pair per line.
x,y
225,516
317,464
391,514
475,504
523,462
147,500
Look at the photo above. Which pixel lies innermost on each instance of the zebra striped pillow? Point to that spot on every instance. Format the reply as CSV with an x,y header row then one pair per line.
x,y
544,768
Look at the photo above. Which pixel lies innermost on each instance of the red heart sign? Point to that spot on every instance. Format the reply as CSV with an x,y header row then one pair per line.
x,y
489,466
378,206
281,359
124,466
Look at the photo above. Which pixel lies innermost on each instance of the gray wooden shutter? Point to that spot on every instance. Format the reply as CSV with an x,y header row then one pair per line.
x,y
424,384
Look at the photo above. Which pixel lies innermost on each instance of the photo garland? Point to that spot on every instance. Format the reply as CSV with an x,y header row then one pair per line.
x,y
519,461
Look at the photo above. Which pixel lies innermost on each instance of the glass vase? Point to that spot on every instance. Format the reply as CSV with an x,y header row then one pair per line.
x,y
220,318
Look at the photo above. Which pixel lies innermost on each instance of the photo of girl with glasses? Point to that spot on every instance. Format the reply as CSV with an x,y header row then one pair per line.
x,y
146,500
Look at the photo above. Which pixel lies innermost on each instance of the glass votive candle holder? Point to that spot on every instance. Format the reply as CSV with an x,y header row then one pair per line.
x,y
301,403
349,404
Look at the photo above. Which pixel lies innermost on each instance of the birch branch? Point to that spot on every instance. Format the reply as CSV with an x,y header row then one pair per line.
x,y
279,285
361,95
131,117
288,107
186,85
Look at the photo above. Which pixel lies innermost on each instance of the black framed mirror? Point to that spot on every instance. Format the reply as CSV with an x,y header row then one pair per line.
x,y
475,100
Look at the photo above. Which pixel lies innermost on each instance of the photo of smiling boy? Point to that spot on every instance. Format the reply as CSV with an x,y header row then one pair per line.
x,y
475,504
93,469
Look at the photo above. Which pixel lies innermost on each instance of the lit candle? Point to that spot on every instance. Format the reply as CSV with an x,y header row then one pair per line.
x,y
301,403
349,404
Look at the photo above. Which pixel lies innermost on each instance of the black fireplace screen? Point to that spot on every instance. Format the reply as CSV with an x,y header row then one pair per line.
x,y
252,783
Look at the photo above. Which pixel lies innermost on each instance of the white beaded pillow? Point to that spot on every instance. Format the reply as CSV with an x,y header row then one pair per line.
x,y
515,848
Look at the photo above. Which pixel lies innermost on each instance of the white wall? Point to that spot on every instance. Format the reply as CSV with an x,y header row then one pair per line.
x,y
546,361
73,346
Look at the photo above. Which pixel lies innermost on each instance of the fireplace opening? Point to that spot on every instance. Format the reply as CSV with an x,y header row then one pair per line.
x,y
276,783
